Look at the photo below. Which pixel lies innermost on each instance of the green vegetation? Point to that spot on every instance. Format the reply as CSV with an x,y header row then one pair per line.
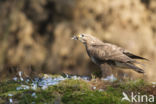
x,y
72,91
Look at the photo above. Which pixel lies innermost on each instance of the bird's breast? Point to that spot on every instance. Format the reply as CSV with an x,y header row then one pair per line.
x,y
93,59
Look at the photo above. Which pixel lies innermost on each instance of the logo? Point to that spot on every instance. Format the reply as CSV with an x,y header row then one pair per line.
x,y
137,97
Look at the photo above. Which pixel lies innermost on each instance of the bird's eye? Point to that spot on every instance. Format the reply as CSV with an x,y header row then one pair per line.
x,y
82,35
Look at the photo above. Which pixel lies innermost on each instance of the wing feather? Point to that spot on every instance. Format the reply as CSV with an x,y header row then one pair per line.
x,y
108,52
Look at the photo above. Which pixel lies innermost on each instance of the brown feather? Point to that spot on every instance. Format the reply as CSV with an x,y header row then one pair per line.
x,y
107,52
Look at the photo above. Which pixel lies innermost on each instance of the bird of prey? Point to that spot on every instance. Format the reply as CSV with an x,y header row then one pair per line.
x,y
108,54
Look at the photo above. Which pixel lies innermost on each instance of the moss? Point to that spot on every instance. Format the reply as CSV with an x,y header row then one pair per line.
x,y
133,84
71,92
7,87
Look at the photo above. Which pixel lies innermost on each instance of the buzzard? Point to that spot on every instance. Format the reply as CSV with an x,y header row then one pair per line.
x,y
108,54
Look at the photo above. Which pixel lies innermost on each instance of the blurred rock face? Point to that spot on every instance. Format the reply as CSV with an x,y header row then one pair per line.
x,y
38,33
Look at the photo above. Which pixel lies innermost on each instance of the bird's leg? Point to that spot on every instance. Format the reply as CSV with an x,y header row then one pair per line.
x,y
106,70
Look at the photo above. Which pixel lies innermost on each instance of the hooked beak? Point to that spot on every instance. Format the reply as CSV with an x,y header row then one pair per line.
x,y
76,37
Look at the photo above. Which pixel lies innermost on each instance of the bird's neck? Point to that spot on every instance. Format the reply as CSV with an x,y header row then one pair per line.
x,y
86,45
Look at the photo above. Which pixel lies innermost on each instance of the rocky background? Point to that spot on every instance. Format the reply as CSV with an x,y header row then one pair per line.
x,y
35,35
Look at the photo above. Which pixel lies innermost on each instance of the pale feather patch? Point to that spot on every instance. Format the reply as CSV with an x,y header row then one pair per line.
x,y
121,65
93,59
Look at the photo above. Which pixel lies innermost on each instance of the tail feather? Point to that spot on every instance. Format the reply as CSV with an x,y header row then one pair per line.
x,y
135,68
134,56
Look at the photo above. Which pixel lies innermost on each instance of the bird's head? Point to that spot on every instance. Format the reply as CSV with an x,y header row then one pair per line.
x,y
86,38
81,37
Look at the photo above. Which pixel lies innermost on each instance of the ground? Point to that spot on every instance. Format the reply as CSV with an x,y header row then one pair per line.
x,y
73,91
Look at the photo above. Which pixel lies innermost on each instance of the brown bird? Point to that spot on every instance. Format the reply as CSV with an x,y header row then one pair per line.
x,y
108,54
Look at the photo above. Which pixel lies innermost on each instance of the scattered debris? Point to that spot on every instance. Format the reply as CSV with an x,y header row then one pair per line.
x,y
11,101
110,78
23,87
15,78
154,84
10,95
94,88
101,90
34,95
45,81
20,75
